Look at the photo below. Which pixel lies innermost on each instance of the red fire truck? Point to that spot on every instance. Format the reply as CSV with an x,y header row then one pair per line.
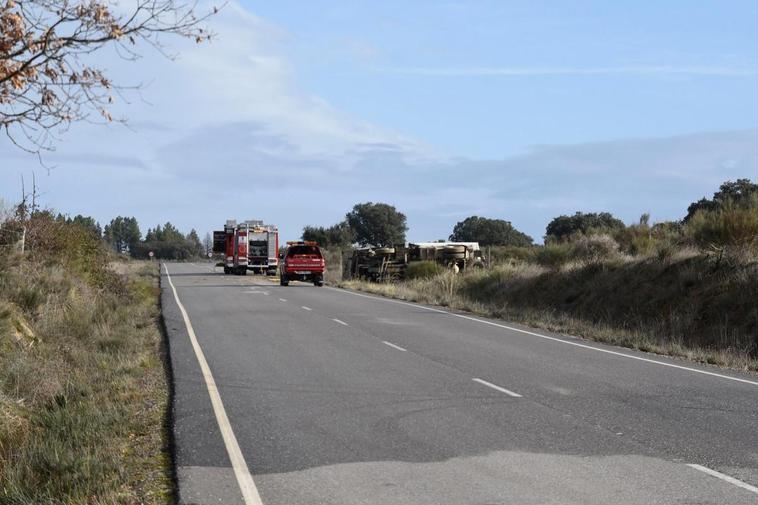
x,y
250,245
263,247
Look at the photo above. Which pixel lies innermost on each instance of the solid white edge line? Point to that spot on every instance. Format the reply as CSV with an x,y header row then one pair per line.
x,y
555,339
726,478
497,388
343,323
241,471
393,345
305,308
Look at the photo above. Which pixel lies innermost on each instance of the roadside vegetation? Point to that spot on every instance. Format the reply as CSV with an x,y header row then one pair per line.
x,y
684,288
83,391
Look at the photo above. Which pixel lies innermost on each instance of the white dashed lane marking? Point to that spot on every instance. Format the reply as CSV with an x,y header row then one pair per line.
x,y
725,478
394,346
497,388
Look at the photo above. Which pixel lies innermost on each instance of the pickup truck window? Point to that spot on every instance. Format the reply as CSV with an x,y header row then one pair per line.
x,y
303,250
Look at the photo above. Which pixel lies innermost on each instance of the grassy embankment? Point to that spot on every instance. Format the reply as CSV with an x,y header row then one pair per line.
x,y
83,392
684,291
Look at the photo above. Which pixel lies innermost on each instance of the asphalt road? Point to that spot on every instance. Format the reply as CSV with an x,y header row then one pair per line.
x,y
327,396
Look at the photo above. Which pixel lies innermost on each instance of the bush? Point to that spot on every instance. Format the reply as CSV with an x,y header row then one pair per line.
x,y
75,248
554,255
733,225
489,232
423,270
503,254
740,191
594,249
564,227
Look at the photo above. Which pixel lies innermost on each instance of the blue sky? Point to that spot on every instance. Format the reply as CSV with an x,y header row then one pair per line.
x,y
514,110
579,71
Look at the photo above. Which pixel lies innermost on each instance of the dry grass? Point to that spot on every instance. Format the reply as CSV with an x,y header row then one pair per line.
x,y
687,306
83,395
333,258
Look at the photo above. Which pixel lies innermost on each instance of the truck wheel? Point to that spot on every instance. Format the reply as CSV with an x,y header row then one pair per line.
x,y
226,270
318,282
284,281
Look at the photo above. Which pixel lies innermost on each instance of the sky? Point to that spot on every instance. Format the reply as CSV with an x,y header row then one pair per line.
x,y
505,109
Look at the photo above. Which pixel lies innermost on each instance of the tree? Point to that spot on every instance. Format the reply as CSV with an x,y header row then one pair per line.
x,y
85,222
489,232
88,223
123,234
738,192
46,80
194,242
563,227
338,235
208,243
316,234
171,233
167,242
377,224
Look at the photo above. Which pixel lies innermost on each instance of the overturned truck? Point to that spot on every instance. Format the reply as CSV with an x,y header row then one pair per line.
x,y
390,263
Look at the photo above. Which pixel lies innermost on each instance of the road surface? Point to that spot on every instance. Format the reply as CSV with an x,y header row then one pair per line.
x,y
304,395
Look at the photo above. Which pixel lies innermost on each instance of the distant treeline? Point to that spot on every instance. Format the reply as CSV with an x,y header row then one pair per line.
x,y
726,218
123,235
165,242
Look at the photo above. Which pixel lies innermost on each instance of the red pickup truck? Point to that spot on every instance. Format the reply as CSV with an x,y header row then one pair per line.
x,y
303,261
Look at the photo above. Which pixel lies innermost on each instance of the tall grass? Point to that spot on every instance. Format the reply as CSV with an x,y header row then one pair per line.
x,y
733,226
83,396
424,270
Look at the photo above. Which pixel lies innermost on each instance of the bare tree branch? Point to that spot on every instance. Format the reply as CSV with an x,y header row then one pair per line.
x,y
45,81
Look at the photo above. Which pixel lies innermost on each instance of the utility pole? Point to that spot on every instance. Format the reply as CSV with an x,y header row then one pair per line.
x,y
25,210
23,214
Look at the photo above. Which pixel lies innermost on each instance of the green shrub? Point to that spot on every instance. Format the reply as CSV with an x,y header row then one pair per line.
x,y
554,255
423,270
563,228
504,254
636,239
733,225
